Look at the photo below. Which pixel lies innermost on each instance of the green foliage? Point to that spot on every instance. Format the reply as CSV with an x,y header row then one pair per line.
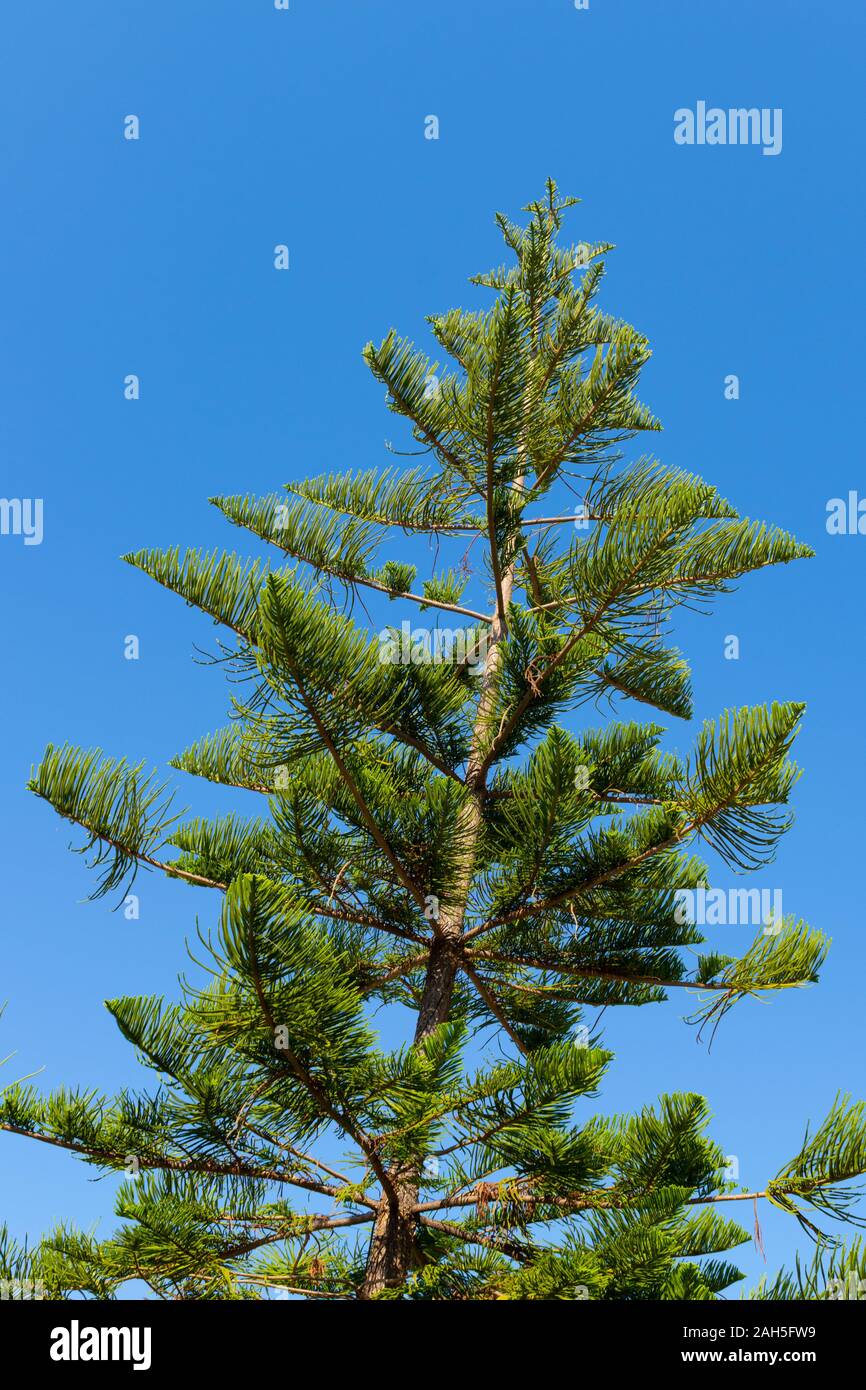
x,y
435,841
125,815
739,767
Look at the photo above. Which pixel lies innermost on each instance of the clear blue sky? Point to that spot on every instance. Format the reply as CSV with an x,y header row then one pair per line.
x,y
155,257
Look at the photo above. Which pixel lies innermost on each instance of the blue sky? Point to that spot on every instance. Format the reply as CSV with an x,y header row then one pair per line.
x,y
155,257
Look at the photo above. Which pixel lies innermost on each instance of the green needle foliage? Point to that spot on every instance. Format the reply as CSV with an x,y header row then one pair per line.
x,y
436,843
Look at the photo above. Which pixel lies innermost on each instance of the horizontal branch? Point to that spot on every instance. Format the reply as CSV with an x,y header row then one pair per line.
x,y
166,867
360,919
511,1248
204,1167
603,1199
557,967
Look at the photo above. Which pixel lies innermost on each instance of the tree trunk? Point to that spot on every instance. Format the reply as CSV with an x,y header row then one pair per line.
x,y
392,1246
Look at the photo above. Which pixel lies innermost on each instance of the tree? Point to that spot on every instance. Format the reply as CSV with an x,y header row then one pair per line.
x,y
438,843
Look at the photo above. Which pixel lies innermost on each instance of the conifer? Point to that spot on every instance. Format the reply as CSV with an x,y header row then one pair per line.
x,y
449,840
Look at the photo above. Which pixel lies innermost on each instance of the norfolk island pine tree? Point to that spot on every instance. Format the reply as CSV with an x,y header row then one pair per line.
x,y
436,841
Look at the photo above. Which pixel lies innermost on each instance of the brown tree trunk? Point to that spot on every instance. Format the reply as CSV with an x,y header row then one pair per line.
x,y
392,1250
392,1245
